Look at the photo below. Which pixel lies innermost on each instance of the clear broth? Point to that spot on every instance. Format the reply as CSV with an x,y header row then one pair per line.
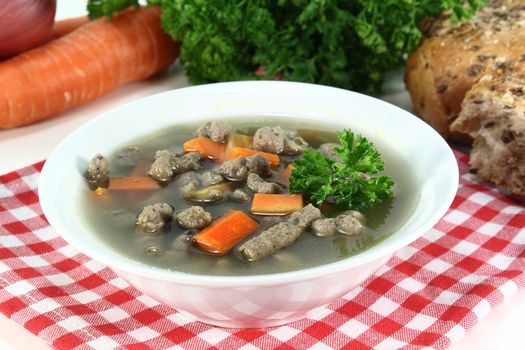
x,y
113,218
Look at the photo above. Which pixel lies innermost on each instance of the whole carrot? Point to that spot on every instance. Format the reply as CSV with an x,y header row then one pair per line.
x,y
83,65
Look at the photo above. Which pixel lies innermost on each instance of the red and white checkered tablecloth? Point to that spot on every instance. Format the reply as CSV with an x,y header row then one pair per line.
x,y
427,296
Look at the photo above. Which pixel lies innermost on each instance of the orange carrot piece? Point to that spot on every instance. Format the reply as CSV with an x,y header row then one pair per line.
x,y
132,183
66,26
276,204
83,65
224,233
273,159
237,140
208,148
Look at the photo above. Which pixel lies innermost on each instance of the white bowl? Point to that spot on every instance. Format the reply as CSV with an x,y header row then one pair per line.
x,y
264,300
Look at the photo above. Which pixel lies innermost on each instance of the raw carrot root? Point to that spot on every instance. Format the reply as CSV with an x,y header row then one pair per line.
x,y
83,65
224,233
208,148
276,204
66,26
135,183
273,159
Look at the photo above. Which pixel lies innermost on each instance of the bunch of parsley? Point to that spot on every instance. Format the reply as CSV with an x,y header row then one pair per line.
x,y
344,43
350,182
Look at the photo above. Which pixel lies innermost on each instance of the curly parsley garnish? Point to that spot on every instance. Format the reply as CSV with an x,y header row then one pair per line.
x,y
346,43
349,183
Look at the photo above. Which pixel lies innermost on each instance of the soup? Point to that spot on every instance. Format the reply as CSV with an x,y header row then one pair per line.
x,y
118,215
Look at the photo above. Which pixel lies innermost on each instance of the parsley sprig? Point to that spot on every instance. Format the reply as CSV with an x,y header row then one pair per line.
x,y
352,182
345,43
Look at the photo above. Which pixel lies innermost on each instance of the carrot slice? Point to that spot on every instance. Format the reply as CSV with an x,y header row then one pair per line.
x,y
99,194
89,62
132,183
208,148
238,140
225,232
273,159
276,204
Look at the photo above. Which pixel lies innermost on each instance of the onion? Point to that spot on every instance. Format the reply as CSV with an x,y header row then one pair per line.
x,y
25,24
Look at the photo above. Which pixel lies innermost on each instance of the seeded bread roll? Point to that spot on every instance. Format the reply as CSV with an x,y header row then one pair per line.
x,y
493,114
453,58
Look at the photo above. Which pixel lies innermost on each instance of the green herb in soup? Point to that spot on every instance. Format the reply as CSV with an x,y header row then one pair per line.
x,y
344,175
232,198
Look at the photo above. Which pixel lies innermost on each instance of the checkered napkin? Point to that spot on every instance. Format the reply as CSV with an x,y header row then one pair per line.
x,y
427,296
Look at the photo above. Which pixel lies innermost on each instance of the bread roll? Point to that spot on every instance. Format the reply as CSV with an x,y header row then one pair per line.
x,y
493,114
453,58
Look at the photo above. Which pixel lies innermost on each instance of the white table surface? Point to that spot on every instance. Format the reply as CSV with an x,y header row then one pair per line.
x,y
503,328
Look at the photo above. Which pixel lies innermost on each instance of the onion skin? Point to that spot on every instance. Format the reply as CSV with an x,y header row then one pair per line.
x,y
25,24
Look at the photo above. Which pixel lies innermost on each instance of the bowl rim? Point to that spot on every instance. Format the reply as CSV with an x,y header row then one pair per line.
x,y
124,264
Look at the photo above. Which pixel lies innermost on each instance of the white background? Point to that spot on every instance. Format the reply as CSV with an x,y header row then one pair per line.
x,y
503,328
